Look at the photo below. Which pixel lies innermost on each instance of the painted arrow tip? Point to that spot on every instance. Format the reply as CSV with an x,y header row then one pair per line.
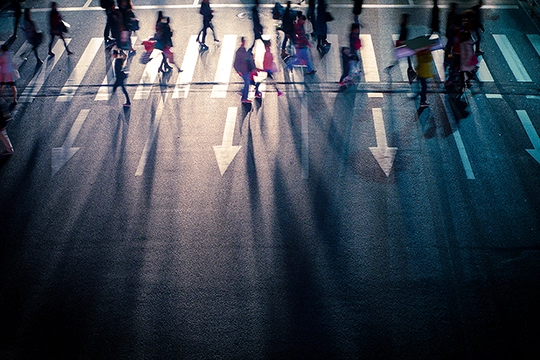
x,y
60,156
535,154
225,155
385,157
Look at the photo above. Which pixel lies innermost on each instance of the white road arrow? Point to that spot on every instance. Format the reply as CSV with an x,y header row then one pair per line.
x,y
531,132
383,154
226,152
60,156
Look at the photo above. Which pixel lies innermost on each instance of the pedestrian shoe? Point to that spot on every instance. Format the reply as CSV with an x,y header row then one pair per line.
x,y
424,105
279,93
70,52
311,72
127,105
51,53
246,101
258,94
216,40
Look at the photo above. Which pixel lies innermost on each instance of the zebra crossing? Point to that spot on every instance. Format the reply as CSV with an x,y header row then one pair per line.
x,y
330,72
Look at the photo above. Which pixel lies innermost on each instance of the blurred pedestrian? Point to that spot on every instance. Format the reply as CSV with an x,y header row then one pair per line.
x,y
476,24
449,29
207,14
33,36
4,138
270,67
163,37
244,66
424,71
301,46
468,60
8,73
57,28
435,22
287,25
404,34
106,5
129,24
354,38
119,57
357,10
321,26
17,12
257,26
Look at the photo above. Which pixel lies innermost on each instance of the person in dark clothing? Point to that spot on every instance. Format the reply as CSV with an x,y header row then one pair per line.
x,y
106,5
32,35
17,12
321,27
244,66
287,25
163,37
477,25
119,57
311,11
357,10
57,28
435,23
126,11
208,15
404,34
257,26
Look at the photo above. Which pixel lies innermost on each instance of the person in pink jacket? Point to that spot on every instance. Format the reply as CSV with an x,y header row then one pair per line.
x,y
8,73
468,61
270,67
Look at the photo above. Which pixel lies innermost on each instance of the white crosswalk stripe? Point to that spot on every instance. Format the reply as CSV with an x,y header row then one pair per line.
x,y
535,41
35,85
149,76
78,73
330,69
512,58
223,72
332,60
369,62
188,69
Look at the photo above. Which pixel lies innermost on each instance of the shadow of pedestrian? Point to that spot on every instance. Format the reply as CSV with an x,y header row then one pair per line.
x,y
426,121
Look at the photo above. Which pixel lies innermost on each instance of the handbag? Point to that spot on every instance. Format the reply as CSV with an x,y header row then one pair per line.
x,y
328,17
134,24
64,26
411,74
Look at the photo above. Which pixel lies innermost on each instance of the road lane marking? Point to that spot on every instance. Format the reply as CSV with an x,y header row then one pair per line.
x,y
226,152
369,62
225,63
183,81
35,85
457,138
383,154
535,41
149,76
531,133
512,58
60,156
332,60
305,137
77,74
